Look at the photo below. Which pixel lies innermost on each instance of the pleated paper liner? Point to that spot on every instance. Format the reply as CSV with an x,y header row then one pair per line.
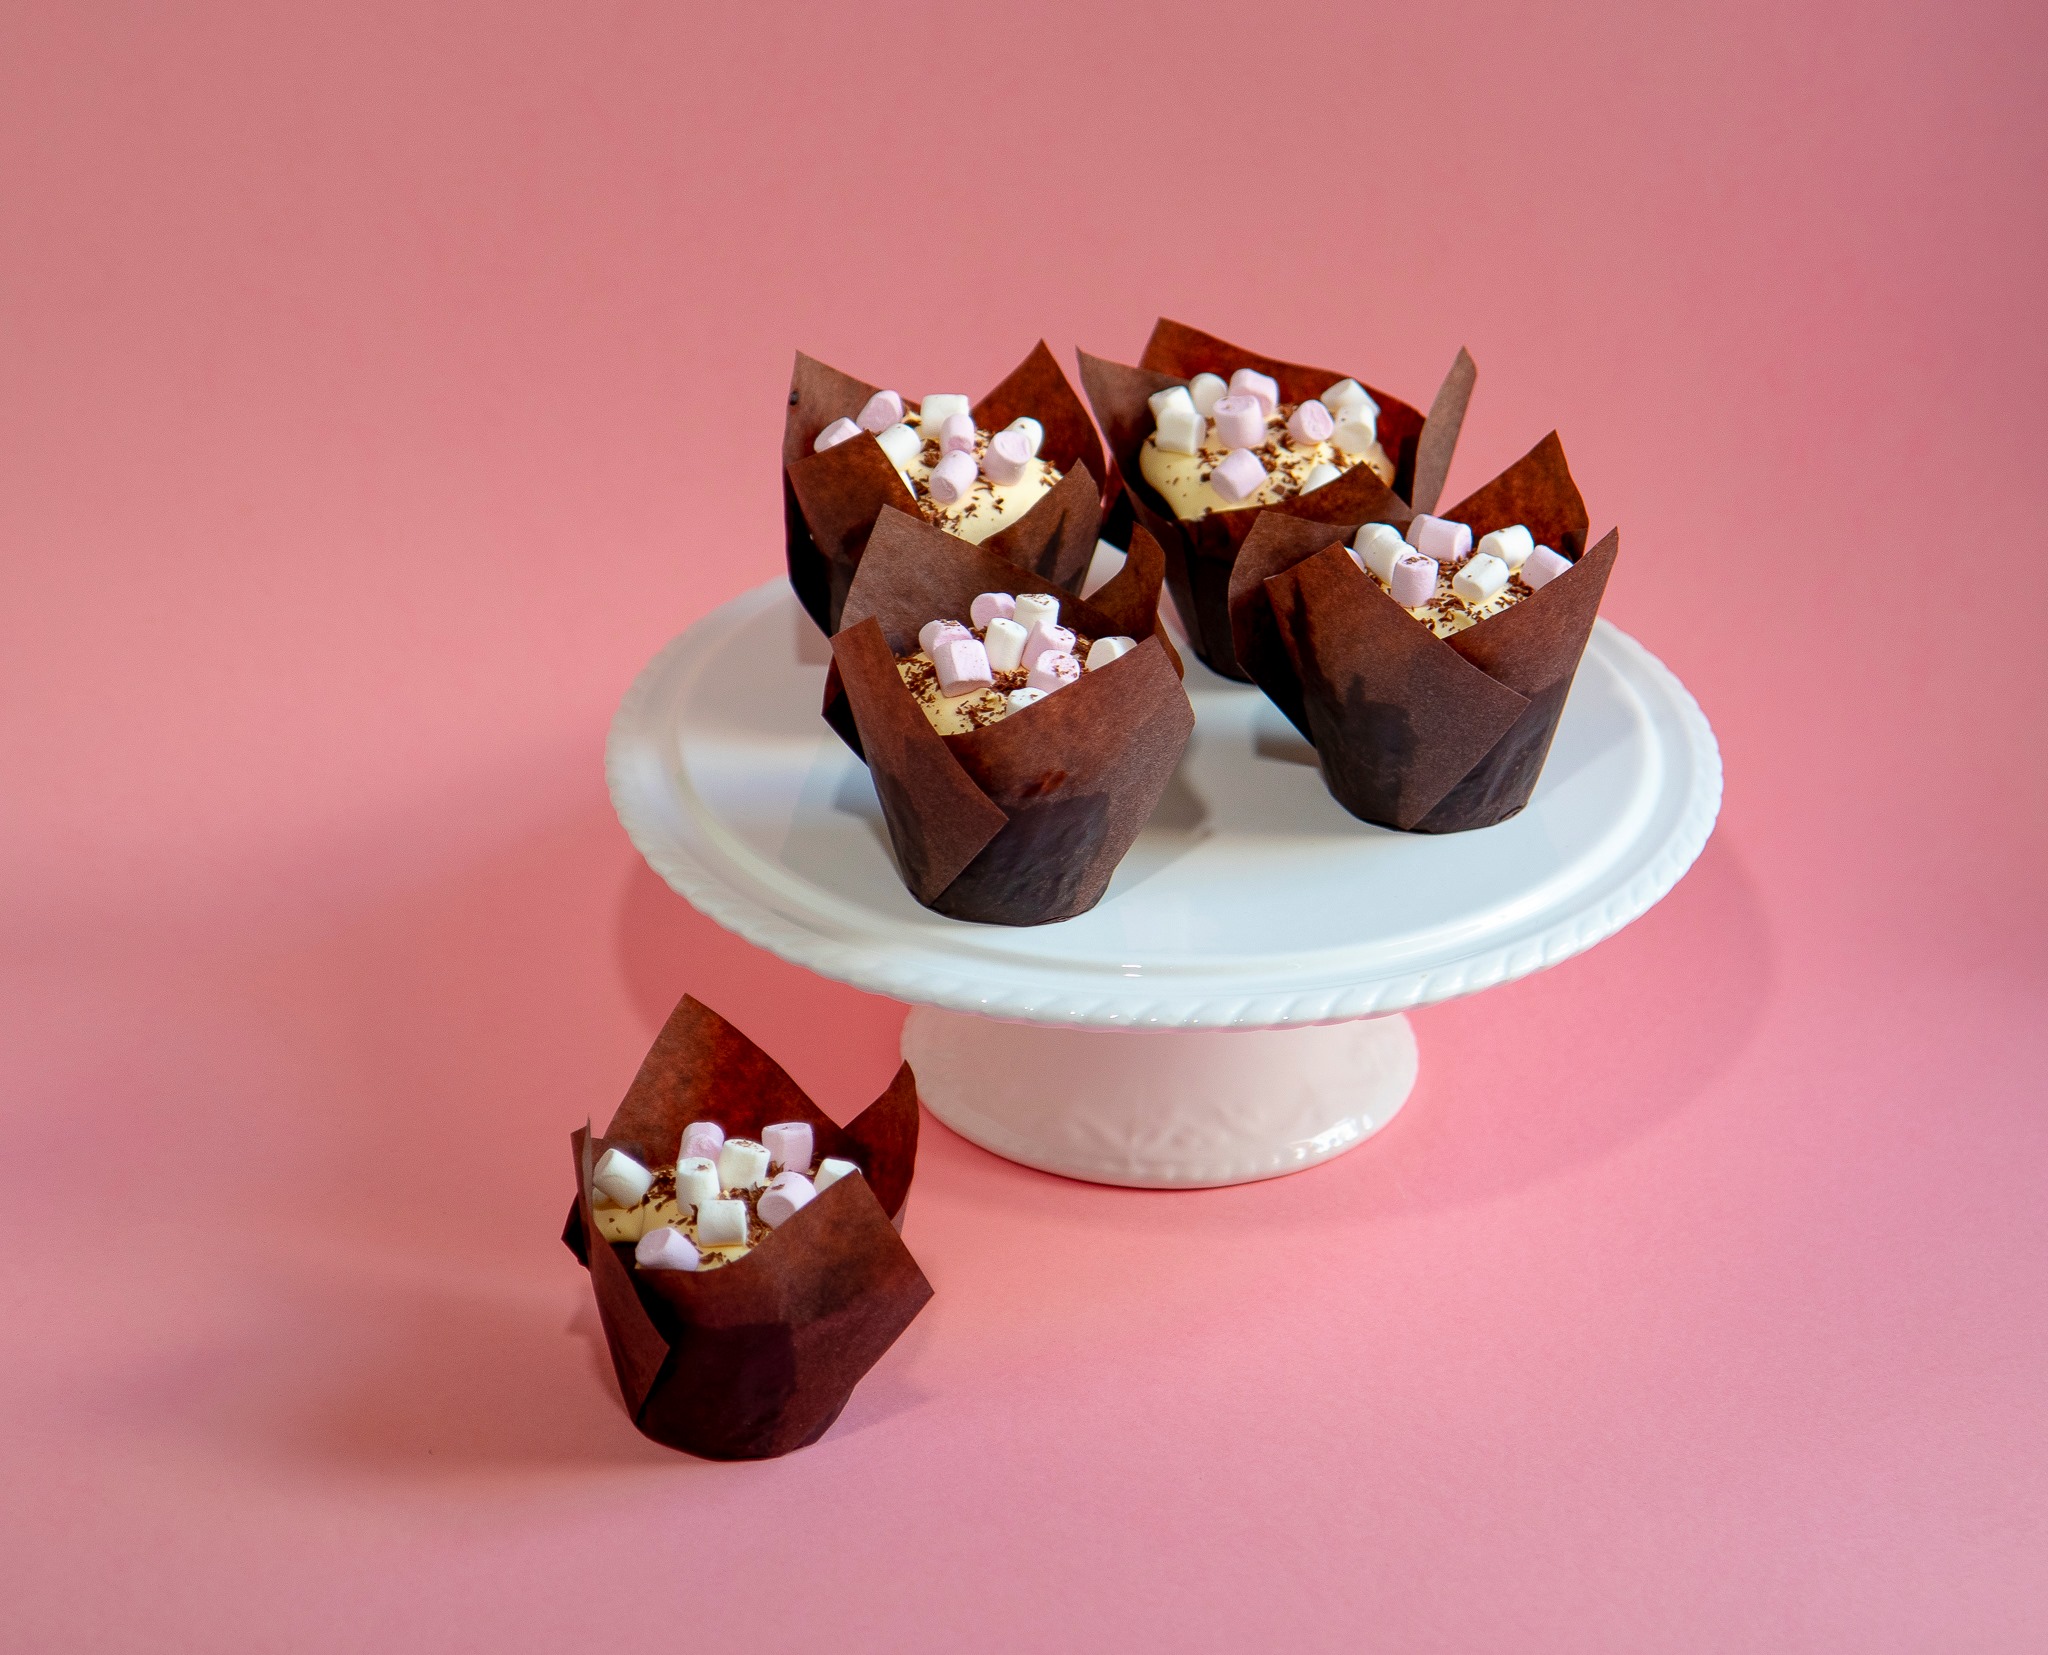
x,y
1413,731
757,1357
1022,822
830,500
1200,554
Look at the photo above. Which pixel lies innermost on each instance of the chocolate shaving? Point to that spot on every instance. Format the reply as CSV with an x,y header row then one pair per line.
x,y
759,1356
1428,734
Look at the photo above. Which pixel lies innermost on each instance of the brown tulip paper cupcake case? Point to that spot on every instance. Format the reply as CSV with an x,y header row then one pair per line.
x,y
1413,731
830,501
1024,821
757,1357
1200,554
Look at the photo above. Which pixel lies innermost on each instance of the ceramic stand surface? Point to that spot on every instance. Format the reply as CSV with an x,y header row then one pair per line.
x,y
1252,946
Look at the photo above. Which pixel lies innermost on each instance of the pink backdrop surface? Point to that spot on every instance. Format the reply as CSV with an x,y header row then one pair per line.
x,y
384,384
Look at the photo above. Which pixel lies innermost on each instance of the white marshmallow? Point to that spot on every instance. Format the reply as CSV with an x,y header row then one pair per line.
x,y
901,443
839,431
831,1169
789,1143
1180,427
1543,567
1346,395
722,1224
1105,650
1004,641
666,1248
1318,474
1377,546
1357,430
742,1164
1512,545
1481,577
1033,607
1205,389
620,1179
696,1181
1032,432
786,1194
1015,702
933,412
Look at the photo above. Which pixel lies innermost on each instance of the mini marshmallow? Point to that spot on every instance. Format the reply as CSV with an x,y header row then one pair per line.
x,y
1347,394
934,633
786,1193
666,1248
1047,639
952,479
1318,474
1378,546
1206,389
880,411
901,444
1007,459
1249,382
1512,546
839,431
1440,538
1413,582
742,1164
1015,702
1543,567
789,1144
1240,422
1053,670
1030,430
1238,476
1033,607
1180,426
702,1139
989,606
1105,650
1004,644
831,1169
933,412
722,1224
1481,578
962,665
1310,424
1357,430
696,1181
620,1179
956,436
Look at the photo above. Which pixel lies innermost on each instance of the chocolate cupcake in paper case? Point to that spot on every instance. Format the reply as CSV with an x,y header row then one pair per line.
x,y
744,1292
1205,435
1020,472
1428,657
1018,736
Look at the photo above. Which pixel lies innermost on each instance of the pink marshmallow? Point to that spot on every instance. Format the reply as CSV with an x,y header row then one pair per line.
x,y
789,1145
1240,422
1440,538
1238,476
787,1194
1047,639
1053,670
962,665
1544,566
934,633
993,606
1249,382
1311,423
956,434
666,1248
952,479
1413,582
880,411
839,431
1008,457
702,1139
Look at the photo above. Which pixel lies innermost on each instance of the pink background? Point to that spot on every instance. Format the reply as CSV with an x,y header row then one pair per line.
x,y
381,385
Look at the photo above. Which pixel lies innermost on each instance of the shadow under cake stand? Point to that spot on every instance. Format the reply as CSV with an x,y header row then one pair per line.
x,y
1231,1009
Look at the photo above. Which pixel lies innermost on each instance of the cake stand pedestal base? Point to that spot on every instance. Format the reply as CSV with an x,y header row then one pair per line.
x,y
1161,1108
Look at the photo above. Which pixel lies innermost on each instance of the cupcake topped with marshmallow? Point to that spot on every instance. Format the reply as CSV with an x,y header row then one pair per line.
x,y
966,481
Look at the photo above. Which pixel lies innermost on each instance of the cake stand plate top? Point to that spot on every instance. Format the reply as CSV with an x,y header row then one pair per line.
x,y
1251,900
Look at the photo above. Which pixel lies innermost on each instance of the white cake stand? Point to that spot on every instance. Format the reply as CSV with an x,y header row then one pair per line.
x,y
1230,1010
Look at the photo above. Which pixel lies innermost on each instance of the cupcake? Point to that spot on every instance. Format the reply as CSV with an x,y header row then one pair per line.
x,y
1018,472
1018,736
743,1248
1206,436
1427,656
